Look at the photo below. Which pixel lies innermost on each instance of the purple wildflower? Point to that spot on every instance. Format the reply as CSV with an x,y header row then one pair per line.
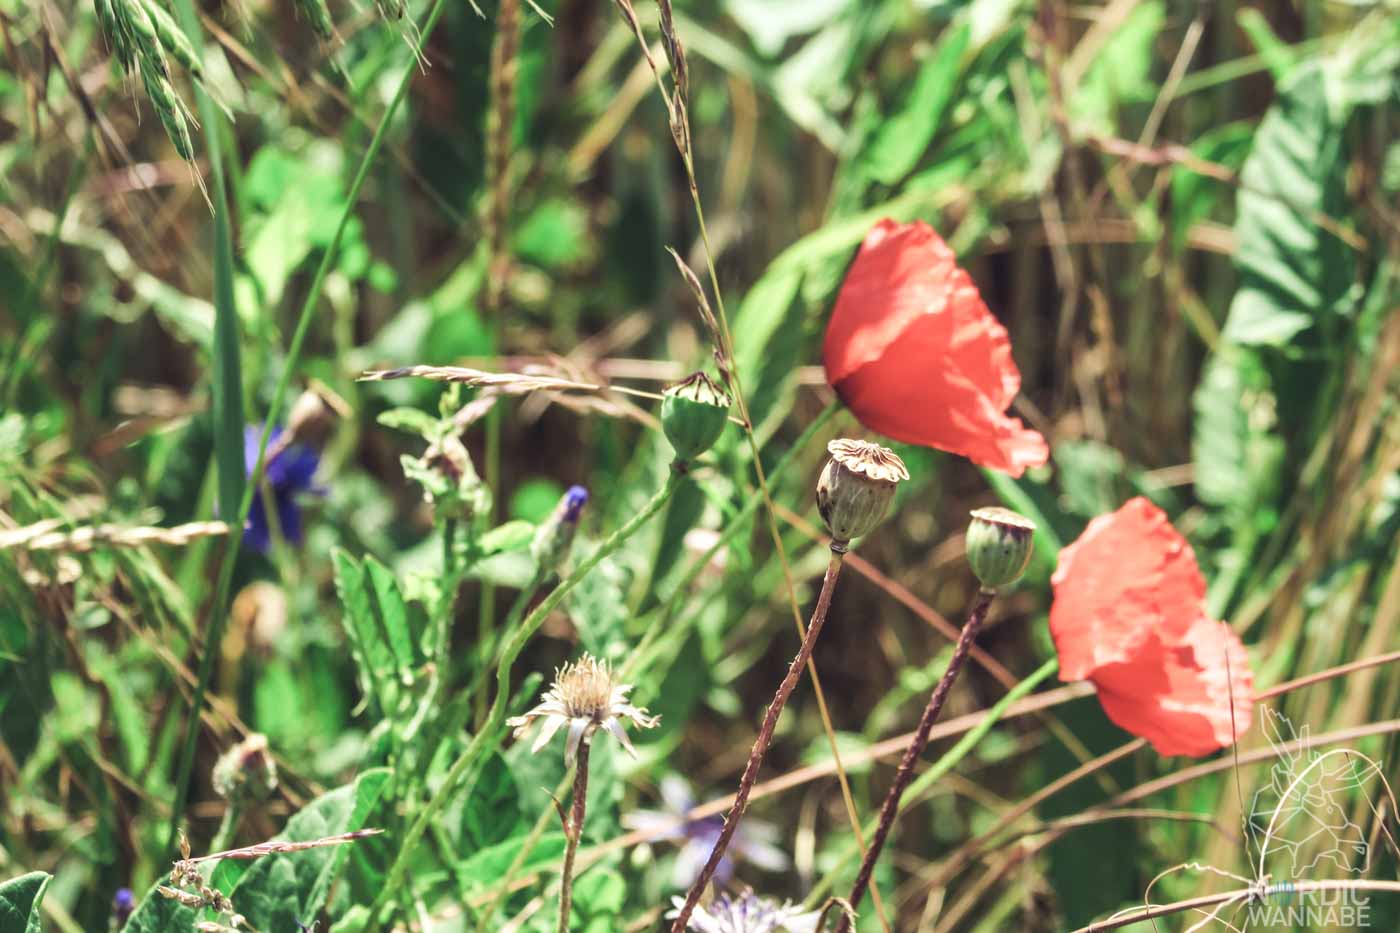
x,y
287,472
123,903
749,913
753,841
572,504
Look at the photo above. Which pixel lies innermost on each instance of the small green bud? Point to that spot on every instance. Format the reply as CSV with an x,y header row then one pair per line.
x,y
693,414
554,537
246,772
856,488
999,545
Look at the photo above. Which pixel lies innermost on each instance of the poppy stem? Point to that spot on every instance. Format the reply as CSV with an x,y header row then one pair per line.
x,y
905,775
765,737
573,832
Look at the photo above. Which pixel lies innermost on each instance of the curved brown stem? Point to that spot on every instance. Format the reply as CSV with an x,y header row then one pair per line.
x,y
765,738
905,775
573,831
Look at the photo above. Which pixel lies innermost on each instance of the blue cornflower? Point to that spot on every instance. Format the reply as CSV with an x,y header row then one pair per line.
x,y
123,903
753,841
287,472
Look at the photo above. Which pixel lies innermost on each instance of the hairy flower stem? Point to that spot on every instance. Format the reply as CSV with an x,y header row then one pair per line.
x,y
489,736
902,777
228,826
573,832
765,738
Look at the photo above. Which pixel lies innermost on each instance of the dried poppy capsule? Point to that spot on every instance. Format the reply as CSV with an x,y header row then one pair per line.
x,y
856,488
999,545
693,414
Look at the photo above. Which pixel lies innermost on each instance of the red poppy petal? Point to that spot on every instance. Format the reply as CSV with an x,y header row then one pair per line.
x,y
920,393
1130,574
1178,697
913,351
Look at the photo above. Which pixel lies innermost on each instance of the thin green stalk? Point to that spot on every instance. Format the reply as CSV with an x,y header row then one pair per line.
x,y
942,766
228,826
489,735
219,607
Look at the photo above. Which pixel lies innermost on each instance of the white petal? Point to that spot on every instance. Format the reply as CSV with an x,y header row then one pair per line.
x,y
689,862
577,728
551,726
615,727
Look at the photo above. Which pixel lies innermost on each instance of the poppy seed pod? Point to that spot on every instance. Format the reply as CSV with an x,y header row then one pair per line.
x,y
999,545
693,414
856,488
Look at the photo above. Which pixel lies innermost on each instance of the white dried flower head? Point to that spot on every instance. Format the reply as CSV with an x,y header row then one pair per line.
x,y
586,697
748,913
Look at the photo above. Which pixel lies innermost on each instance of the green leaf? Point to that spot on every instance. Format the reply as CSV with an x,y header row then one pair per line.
x,y
1279,57
19,902
1236,453
903,137
491,813
277,891
598,899
486,868
390,611
511,536
374,660
159,914
1294,272
1120,74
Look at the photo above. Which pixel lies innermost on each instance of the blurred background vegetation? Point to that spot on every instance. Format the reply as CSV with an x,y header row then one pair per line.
x,y
1185,214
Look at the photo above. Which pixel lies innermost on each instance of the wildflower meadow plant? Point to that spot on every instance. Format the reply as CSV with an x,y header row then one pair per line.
x,y
605,340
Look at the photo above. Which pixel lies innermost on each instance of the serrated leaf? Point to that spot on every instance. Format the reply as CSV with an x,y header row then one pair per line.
x,y
19,902
276,892
1294,272
390,611
373,657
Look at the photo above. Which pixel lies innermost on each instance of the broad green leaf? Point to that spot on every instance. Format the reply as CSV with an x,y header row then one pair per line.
x,y
19,902
484,869
159,914
1294,272
902,138
598,899
276,892
490,814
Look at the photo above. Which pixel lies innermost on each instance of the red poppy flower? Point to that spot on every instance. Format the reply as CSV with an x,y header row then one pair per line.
x,y
1129,615
913,351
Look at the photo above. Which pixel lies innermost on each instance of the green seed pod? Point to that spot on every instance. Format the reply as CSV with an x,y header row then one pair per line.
x,y
693,414
856,487
999,545
142,30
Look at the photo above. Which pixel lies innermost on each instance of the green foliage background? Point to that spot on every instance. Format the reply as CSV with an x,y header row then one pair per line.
x,y
1185,215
